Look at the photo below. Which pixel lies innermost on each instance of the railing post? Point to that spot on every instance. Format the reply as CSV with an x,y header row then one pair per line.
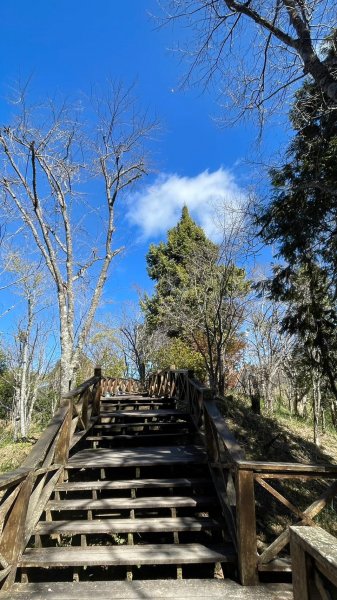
x,y
299,569
13,535
98,372
246,527
61,453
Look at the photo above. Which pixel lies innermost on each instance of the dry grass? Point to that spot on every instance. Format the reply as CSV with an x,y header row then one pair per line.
x,y
282,439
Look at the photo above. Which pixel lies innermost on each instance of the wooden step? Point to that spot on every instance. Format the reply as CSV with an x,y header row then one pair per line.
x,y
140,437
212,589
75,527
153,502
158,424
126,484
138,456
154,554
160,413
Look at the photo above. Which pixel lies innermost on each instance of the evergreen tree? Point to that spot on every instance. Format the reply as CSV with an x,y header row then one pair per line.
x,y
197,299
302,220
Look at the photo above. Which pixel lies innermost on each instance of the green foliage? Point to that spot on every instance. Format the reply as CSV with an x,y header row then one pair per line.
x,y
176,352
301,219
197,298
169,264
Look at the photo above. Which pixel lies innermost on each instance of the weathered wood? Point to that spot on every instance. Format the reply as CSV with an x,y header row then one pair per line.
x,y
246,527
63,440
158,414
283,539
39,506
40,449
232,446
300,572
275,467
12,539
7,504
130,503
274,548
156,590
96,526
12,478
127,484
285,502
318,544
139,456
157,554
81,388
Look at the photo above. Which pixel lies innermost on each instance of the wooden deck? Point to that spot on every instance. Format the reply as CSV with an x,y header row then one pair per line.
x,y
148,590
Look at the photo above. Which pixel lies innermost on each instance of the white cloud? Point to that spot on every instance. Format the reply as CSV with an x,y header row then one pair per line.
x,y
158,206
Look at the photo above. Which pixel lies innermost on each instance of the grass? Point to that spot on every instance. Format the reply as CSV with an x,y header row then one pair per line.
x,y
282,438
12,454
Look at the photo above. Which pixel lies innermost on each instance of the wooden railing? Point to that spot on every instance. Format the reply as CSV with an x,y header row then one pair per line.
x,y
314,558
24,492
236,479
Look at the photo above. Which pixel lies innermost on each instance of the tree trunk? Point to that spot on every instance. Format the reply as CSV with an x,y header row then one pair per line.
x,y
316,406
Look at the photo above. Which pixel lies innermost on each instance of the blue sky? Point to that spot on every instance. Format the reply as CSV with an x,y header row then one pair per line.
x,y
67,47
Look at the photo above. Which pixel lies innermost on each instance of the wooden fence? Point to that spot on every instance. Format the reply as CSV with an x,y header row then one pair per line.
x,y
236,479
25,491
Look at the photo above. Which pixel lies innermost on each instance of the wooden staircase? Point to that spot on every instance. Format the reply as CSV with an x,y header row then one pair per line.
x,y
136,500
135,515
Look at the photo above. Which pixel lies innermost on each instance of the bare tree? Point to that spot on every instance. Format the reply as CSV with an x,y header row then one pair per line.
x,y
268,348
255,50
30,353
63,171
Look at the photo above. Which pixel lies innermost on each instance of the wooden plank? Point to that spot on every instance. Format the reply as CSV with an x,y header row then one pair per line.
x,y
283,539
152,589
260,466
246,528
12,478
285,501
149,425
12,538
139,456
132,483
279,565
147,413
319,544
81,388
36,456
74,527
300,573
140,437
232,446
63,439
154,554
129,503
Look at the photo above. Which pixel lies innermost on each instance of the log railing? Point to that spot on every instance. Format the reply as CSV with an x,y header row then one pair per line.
x,y
314,558
237,480
24,492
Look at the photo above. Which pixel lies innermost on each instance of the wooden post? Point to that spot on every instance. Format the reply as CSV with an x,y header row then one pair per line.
x,y
98,372
13,535
211,444
63,442
299,569
246,527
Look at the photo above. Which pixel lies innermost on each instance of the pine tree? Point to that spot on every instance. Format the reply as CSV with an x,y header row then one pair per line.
x,y
196,298
302,220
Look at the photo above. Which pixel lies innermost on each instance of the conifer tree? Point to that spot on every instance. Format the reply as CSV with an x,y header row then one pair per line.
x,y
197,299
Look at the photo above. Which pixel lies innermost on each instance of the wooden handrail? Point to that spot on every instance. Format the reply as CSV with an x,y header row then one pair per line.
x,y
235,477
314,556
81,388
